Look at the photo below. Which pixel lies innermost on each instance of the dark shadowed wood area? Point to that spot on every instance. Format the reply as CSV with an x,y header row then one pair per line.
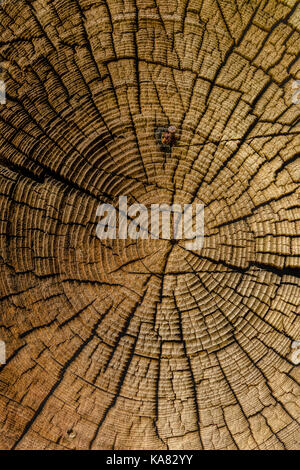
x,y
124,344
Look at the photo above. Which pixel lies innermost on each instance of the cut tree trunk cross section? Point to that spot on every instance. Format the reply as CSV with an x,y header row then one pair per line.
x,y
136,344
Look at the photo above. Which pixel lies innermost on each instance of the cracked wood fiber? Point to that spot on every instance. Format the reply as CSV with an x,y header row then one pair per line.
x,y
143,344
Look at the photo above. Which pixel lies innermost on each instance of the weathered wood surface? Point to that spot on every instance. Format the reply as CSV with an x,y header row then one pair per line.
x,y
145,345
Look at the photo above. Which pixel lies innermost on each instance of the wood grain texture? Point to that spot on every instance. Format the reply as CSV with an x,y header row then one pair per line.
x,y
146,345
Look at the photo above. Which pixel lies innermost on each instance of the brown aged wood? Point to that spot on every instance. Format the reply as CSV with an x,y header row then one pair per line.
x,y
124,345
